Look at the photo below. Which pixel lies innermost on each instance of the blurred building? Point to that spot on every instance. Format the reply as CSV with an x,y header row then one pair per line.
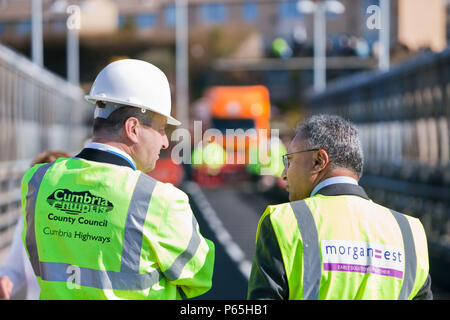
x,y
226,29
414,23
423,24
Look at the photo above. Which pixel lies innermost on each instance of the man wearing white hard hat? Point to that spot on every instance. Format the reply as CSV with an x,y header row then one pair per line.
x,y
98,227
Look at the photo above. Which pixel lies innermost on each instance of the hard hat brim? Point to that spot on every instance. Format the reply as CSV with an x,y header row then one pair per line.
x,y
93,99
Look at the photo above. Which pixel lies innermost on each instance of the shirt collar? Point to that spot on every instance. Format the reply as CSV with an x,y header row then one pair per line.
x,y
111,149
333,180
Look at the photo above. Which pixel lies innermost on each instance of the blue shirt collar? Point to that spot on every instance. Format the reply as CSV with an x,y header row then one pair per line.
x,y
333,180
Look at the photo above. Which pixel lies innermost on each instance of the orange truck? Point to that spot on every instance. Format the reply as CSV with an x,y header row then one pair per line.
x,y
237,108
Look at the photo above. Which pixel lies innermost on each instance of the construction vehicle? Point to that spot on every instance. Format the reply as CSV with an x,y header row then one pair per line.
x,y
238,120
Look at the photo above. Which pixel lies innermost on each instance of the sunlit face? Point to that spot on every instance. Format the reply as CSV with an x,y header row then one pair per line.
x,y
299,181
151,140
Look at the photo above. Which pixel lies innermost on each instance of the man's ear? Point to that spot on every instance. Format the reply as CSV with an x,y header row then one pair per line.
x,y
131,129
321,160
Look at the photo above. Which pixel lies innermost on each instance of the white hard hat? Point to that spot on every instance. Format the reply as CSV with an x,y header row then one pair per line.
x,y
133,83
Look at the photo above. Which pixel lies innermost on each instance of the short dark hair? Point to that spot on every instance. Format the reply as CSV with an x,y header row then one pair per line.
x,y
117,118
337,136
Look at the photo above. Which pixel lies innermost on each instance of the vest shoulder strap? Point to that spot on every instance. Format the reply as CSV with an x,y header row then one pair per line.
x,y
311,250
409,276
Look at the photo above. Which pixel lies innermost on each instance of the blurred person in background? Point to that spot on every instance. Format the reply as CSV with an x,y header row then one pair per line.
x,y
101,228
331,241
16,272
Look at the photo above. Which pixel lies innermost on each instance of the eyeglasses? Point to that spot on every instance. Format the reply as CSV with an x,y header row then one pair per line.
x,y
286,160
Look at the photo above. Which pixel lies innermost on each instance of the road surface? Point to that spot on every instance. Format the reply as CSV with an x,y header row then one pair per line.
x,y
229,217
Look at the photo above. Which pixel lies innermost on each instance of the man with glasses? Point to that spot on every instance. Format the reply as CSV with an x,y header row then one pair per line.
x,y
331,241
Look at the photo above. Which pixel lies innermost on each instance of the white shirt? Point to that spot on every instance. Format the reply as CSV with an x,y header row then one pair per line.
x,y
332,180
111,149
17,266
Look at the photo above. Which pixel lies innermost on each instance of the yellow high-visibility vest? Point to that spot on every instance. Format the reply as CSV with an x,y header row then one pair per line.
x,y
101,231
348,247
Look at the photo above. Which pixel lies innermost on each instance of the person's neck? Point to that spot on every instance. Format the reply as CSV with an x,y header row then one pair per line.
x,y
124,147
113,143
341,175
335,172
341,172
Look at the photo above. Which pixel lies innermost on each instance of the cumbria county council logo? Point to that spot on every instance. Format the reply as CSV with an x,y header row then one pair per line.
x,y
78,202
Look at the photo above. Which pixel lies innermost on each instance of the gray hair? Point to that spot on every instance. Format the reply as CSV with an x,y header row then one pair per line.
x,y
338,137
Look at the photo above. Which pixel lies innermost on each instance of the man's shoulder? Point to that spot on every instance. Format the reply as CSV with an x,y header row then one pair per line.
x,y
167,190
394,212
31,171
414,222
279,206
275,209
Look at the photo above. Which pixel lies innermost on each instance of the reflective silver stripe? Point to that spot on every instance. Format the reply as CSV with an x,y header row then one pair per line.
x,y
410,255
174,271
311,251
30,239
134,225
101,279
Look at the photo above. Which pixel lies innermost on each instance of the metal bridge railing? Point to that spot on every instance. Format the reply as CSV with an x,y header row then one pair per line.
x,y
38,111
403,117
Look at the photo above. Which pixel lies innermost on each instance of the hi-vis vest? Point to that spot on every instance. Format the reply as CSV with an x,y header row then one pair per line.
x,y
347,247
101,231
